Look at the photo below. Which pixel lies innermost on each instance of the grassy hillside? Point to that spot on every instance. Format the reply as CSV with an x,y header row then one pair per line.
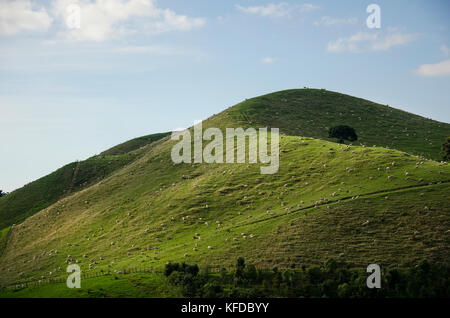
x,y
153,211
359,204
39,194
142,285
311,112
134,144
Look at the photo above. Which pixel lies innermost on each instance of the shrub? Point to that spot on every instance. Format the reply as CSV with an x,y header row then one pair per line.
x,y
342,132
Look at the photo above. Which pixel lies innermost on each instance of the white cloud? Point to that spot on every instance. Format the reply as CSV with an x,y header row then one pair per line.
x,y
22,15
327,21
368,41
437,69
352,43
271,10
268,60
391,40
103,20
306,7
279,10
445,50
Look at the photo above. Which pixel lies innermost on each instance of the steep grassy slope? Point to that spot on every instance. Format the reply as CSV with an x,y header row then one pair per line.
x,y
311,112
361,204
39,194
153,211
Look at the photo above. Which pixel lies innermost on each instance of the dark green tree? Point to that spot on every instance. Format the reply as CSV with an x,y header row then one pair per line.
x,y
2,194
240,267
342,132
446,149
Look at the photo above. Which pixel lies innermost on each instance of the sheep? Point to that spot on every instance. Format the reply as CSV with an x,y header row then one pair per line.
x,y
209,247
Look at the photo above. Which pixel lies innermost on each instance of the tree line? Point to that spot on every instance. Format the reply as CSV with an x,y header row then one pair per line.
x,y
333,280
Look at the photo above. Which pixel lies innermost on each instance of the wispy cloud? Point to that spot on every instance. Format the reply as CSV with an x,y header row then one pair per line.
x,y
328,21
433,70
368,41
271,10
277,10
307,7
268,60
22,15
445,50
391,40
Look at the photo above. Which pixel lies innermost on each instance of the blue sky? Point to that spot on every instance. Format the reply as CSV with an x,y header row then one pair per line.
x,y
136,67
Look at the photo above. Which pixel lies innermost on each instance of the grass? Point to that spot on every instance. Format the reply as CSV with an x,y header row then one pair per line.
x,y
134,208
311,112
135,285
327,200
39,194
133,144
4,234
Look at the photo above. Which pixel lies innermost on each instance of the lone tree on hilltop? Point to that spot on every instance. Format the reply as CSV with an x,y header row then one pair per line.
x,y
342,132
2,193
446,149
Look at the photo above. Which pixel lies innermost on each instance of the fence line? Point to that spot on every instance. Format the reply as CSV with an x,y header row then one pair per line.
x,y
131,270
84,275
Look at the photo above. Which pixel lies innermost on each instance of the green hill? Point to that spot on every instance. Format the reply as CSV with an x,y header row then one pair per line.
x,y
360,204
311,112
39,194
